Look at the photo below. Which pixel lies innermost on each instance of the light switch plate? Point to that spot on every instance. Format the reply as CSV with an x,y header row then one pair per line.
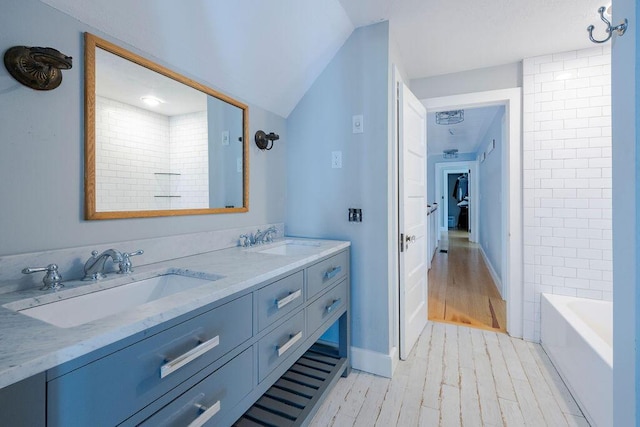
x,y
336,159
357,122
225,137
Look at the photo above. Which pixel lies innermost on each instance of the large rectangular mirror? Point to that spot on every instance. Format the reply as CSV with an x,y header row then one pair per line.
x,y
158,143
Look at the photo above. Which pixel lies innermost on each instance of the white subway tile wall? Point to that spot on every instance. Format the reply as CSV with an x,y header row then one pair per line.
x,y
136,150
190,156
566,178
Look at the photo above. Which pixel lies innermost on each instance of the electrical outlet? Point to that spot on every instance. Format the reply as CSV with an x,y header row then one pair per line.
x,y
336,159
357,123
225,137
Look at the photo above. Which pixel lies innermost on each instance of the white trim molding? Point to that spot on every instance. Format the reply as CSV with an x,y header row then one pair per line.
x,y
374,362
492,271
512,269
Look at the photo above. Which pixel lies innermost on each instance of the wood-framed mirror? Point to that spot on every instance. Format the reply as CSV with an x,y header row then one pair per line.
x,y
158,143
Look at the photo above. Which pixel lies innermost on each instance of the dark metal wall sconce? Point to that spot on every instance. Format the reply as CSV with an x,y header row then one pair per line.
x,y
264,141
37,67
620,29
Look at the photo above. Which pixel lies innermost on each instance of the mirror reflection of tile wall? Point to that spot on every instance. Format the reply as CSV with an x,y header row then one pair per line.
x,y
149,161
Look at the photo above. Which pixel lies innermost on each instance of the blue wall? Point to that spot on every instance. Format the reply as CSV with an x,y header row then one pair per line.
x,y
318,197
625,95
42,144
490,197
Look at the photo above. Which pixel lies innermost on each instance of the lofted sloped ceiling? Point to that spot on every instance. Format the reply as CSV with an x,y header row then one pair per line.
x,y
441,37
267,53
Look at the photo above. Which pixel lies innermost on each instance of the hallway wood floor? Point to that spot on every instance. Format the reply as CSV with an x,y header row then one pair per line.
x,y
461,290
456,376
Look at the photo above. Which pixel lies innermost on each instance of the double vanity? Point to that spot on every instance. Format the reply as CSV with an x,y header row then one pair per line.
x,y
220,338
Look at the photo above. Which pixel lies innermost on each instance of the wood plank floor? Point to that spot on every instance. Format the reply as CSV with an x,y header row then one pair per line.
x,y
457,376
461,290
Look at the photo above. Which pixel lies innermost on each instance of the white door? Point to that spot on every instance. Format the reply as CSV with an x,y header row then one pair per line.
x,y
412,192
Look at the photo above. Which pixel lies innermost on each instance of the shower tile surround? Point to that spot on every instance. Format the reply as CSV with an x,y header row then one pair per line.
x,y
155,143
566,178
71,261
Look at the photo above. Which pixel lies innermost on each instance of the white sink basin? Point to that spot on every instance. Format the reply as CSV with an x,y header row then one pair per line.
x,y
78,310
290,248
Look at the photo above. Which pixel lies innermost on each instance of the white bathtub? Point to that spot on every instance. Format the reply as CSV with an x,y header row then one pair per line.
x,y
577,334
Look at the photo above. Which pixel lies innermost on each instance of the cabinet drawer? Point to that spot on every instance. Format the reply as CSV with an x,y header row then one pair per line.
x,y
211,398
109,390
332,302
279,298
327,272
278,344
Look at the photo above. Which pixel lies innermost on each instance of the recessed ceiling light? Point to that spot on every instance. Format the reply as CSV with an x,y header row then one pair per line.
x,y
152,101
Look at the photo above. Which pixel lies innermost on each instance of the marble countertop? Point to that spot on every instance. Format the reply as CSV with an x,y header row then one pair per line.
x,y
30,346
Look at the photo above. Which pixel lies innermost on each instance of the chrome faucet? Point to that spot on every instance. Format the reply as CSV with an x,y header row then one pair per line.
x,y
250,239
52,279
94,267
125,266
265,236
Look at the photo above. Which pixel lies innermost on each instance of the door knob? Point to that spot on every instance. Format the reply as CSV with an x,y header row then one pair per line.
x,y
411,239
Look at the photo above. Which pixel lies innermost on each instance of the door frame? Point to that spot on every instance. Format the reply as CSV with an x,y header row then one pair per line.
x,y
445,168
512,208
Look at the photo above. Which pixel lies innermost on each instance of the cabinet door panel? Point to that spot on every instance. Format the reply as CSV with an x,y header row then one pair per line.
x,y
23,404
325,273
111,389
278,344
326,306
279,298
208,400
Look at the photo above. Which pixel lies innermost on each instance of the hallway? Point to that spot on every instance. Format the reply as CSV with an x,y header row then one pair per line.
x,y
457,376
461,290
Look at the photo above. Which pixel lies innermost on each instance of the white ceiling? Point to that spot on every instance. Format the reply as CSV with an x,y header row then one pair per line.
x,y
127,82
266,53
465,136
441,37
269,53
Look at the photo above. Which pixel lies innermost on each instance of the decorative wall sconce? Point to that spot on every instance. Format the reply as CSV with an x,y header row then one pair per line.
x,y
620,29
37,67
264,141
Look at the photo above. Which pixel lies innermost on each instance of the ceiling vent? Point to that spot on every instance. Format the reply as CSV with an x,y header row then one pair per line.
x,y
449,117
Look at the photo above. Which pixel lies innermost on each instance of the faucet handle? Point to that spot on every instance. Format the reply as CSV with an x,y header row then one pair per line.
x,y
125,266
51,280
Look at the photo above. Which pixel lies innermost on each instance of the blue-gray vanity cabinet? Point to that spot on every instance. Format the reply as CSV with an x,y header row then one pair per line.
x,y
324,274
276,346
115,387
279,298
23,404
326,305
209,400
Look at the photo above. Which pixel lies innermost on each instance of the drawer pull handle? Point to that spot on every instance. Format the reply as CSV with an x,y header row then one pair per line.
x,y
332,273
206,415
189,356
286,300
286,346
335,304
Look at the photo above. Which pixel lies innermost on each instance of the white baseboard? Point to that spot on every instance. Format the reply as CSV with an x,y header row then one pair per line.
x,y
374,362
492,271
